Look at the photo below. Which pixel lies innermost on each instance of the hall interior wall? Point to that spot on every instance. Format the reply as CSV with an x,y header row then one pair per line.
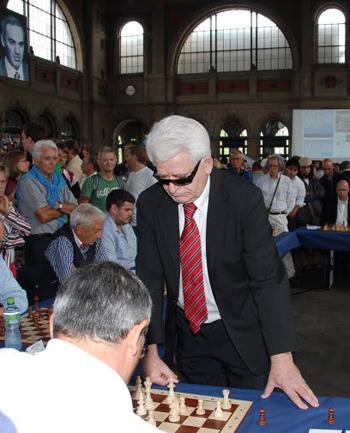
x,y
96,97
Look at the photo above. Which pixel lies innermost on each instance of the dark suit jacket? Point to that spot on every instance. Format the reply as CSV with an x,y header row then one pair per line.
x,y
3,71
329,213
247,277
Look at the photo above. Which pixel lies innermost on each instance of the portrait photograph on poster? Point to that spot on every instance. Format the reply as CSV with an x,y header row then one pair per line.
x,y
13,45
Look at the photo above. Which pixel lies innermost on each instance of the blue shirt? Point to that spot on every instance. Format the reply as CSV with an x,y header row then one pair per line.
x,y
9,287
245,174
60,254
119,243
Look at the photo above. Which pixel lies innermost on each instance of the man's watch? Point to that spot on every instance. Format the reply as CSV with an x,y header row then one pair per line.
x,y
59,206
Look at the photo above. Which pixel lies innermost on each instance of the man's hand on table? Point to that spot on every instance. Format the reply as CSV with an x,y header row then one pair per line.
x,y
155,368
284,374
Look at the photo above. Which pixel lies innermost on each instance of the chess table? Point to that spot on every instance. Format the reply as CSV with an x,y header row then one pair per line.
x,y
282,416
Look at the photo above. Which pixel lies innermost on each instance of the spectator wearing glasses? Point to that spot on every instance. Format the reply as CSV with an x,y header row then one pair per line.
x,y
237,165
227,289
98,326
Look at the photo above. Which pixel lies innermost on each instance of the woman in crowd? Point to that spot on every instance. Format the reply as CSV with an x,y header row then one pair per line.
x,y
14,225
17,165
68,175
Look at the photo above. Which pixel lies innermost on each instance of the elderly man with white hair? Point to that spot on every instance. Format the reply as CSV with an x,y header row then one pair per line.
x,y
206,234
78,243
44,200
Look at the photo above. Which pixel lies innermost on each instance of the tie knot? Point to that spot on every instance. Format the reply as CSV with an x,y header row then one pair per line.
x,y
189,210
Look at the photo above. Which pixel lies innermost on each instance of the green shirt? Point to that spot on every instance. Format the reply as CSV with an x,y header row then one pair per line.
x,y
97,188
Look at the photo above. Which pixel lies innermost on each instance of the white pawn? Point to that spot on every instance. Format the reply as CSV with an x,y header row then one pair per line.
x,y
141,410
218,411
226,405
200,409
174,411
150,417
183,408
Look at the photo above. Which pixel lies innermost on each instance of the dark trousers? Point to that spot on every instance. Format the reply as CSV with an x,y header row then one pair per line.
x,y
35,246
210,358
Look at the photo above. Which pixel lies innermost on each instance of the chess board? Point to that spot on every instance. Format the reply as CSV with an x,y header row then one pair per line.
x,y
33,328
193,423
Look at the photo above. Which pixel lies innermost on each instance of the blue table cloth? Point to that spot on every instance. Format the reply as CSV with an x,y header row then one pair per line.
x,y
282,415
313,239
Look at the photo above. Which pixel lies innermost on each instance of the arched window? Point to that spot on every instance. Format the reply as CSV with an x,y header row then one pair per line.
x,y
232,140
47,122
49,32
131,48
331,36
274,138
235,40
69,130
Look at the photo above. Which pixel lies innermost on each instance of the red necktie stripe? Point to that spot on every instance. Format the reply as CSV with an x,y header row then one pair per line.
x,y
196,311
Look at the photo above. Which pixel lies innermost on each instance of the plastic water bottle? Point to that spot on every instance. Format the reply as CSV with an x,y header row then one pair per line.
x,y
12,319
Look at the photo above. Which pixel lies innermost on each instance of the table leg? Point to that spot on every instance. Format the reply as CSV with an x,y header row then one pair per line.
x,y
331,269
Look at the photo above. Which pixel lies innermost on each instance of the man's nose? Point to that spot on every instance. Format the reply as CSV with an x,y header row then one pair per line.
x,y
172,187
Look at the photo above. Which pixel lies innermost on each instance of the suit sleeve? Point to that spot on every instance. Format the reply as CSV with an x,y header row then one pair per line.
x,y
149,267
268,279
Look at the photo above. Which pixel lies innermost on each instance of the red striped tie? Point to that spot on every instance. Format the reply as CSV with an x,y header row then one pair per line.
x,y
195,306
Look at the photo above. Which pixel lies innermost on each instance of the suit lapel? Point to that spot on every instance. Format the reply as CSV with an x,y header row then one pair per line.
x,y
217,220
169,226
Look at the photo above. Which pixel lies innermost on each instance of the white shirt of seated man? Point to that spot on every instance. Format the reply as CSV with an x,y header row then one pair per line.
x,y
342,190
78,384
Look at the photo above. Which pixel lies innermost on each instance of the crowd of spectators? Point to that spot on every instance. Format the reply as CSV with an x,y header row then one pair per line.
x,y
62,207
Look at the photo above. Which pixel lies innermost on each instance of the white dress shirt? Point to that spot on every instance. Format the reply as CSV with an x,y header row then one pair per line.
x,y
83,395
299,191
200,218
11,71
342,212
284,197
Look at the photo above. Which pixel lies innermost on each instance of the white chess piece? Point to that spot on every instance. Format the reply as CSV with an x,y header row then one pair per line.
x,y
218,411
174,411
171,395
138,388
183,407
200,409
141,410
148,401
226,405
150,417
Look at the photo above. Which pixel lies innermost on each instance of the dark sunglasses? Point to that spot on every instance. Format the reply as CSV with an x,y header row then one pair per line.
x,y
180,181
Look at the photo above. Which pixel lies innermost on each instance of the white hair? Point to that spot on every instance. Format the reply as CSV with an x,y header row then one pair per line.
x,y
85,215
175,134
279,159
43,144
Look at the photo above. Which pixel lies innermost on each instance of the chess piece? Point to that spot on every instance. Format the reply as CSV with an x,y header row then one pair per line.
x,y
171,395
141,410
218,411
147,383
331,417
226,405
148,401
138,389
183,407
174,411
200,409
150,417
262,417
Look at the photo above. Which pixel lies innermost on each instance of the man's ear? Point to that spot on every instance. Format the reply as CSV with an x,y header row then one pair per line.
x,y
51,325
134,337
208,164
2,41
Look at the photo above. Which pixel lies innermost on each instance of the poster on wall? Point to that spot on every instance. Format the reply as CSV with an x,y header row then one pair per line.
x,y
13,45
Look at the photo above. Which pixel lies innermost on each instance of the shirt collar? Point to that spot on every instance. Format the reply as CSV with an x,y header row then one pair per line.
x,y
202,200
78,241
11,71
